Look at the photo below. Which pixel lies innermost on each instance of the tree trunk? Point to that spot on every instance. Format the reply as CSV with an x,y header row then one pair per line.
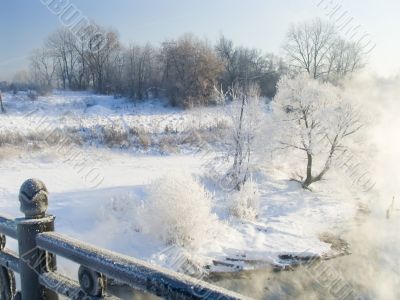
x,y
3,110
309,178
238,160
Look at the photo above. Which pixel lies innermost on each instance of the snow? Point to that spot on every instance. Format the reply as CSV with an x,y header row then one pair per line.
x,y
289,222
80,111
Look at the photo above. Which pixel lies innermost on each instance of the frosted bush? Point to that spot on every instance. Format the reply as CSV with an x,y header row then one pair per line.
x,y
178,211
246,202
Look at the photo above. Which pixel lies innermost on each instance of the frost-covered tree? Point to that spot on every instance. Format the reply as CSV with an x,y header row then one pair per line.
x,y
245,112
315,118
316,48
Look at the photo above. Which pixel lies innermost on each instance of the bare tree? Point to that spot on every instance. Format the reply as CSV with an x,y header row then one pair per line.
x,y
102,54
244,66
227,53
61,45
80,47
43,68
345,58
3,110
141,68
190,70
316,120
115,74
316,48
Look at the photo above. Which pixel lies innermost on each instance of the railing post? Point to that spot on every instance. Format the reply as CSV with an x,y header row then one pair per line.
x,y
7,279
33,261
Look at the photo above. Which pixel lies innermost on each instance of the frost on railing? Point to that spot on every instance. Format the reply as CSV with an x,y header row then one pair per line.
x,y
38,246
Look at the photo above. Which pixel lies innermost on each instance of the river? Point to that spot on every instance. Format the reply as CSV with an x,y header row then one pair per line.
x,y
371,271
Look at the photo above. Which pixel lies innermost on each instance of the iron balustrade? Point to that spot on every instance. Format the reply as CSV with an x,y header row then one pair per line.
x,y
38,246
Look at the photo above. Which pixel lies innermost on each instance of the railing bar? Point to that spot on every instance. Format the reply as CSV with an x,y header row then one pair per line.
x,y
59,284
8,227
65,286
131,271
9,259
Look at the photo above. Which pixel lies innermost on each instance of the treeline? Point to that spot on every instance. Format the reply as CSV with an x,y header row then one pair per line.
x,y
186,70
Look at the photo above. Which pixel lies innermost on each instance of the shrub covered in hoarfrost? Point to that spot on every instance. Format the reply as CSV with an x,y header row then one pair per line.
x,y
246,202
178,211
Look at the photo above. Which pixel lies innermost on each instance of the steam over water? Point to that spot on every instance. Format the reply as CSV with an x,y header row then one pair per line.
x,y
372,271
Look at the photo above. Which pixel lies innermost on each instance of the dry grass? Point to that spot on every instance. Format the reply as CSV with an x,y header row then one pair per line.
x,y
144,139
117,135
8,152
168,143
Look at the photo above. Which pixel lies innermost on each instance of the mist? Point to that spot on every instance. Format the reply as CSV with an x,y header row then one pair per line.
x,y
371,271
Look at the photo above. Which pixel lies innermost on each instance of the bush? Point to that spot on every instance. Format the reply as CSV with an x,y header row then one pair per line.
x,y
178,211
246,202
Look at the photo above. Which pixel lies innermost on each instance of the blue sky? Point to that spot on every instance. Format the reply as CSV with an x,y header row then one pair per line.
x,y
24,24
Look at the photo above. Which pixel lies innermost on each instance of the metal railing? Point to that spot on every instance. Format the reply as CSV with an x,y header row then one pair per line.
x,y
38,246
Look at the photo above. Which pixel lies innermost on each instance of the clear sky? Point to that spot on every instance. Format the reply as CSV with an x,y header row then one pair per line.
x,y
24,24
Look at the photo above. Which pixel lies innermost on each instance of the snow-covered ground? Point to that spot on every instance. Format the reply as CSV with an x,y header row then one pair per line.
x,y
104,210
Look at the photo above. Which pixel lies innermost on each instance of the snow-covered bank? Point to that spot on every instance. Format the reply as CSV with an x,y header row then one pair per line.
x,y
107,215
